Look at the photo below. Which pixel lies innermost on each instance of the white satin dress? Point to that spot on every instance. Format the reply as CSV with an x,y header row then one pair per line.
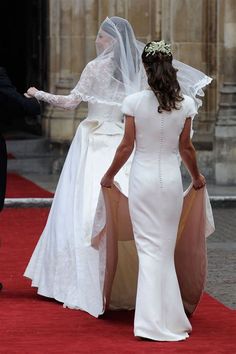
x,y
63,265
155,204
86,256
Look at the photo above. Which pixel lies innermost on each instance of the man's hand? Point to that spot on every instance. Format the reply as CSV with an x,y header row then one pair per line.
x,y
31,92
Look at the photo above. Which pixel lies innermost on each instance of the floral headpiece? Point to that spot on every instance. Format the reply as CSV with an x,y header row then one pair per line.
x,y
161,47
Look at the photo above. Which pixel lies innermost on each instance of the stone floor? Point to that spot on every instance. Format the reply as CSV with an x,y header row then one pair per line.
x,y
49,182
221,245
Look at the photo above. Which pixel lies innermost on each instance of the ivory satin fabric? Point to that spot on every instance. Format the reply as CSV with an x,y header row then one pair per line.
x,y
171,263
64,265
86,257
196,224
120,258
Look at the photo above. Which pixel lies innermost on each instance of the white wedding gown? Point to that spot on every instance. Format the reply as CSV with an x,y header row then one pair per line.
x,y
64,266
86,256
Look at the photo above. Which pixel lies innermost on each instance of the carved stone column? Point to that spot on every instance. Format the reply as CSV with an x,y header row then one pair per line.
x,y
144,16
191,28
225,131
73,26
67,59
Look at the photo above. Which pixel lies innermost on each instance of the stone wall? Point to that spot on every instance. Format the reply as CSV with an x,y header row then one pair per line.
x,y
225,130
198,30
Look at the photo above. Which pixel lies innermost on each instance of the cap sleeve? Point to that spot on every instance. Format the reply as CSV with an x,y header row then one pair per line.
x,y
127,107
190,110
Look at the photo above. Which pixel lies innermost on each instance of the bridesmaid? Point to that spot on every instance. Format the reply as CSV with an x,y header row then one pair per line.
x,y
158,122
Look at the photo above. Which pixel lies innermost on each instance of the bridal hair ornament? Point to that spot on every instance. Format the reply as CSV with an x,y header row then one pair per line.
x,y
161,47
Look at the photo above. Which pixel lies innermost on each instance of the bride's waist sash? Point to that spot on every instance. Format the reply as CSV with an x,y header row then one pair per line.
x,y
106,127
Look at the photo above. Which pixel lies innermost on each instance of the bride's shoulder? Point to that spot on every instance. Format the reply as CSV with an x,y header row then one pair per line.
x,y
98,62
97,68
91,65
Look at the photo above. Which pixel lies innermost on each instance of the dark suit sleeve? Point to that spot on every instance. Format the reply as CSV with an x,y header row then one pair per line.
x,y
3,170
29,106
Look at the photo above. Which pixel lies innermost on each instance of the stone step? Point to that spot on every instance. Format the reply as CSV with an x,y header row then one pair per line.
x,y
41,164
39,155
33,155
28,147
216,202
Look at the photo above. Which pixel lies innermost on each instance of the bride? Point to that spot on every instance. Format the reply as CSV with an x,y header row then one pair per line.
x,y
64,265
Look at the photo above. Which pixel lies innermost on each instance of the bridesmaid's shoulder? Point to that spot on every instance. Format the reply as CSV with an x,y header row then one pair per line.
x,y
188,100
136,96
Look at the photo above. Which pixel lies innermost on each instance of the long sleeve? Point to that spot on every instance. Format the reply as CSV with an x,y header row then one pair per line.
x,y
70,101
81,92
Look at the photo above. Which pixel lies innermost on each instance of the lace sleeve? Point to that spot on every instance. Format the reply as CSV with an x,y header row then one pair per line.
x,y
70,101
81,92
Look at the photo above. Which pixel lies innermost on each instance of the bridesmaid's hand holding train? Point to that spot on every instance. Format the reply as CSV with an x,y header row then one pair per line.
x,y
199,182
107,181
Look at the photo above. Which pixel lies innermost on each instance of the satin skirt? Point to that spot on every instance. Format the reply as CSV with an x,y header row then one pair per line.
x,y
86,257
64,265
164,285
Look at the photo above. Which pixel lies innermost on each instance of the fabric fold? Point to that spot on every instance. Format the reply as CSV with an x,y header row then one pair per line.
x,y
120,262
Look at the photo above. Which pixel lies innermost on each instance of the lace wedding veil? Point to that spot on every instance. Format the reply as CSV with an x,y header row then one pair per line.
x,y
117,71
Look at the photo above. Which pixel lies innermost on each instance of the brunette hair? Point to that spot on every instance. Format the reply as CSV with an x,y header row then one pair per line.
x,y
162,79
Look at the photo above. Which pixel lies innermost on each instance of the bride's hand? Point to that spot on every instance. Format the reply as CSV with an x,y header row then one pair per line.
x,y
199,182
31,92
107,181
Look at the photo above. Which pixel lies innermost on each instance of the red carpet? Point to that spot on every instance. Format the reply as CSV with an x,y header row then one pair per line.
x,y
10,156
31,324
20,187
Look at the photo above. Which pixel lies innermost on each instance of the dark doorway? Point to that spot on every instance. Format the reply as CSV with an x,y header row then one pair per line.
x,y
23,50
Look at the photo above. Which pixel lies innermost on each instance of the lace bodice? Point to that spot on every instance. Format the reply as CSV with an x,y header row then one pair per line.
x,y
75,97
95,77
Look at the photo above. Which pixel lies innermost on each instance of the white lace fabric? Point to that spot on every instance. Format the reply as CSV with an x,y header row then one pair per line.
x,y
96,84
117,71
192,81
70,101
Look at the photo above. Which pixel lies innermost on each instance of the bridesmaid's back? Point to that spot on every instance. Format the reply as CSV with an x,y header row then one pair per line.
x,y
156,131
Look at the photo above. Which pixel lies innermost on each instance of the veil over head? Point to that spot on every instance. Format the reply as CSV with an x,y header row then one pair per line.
x,y
191,81
117,71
